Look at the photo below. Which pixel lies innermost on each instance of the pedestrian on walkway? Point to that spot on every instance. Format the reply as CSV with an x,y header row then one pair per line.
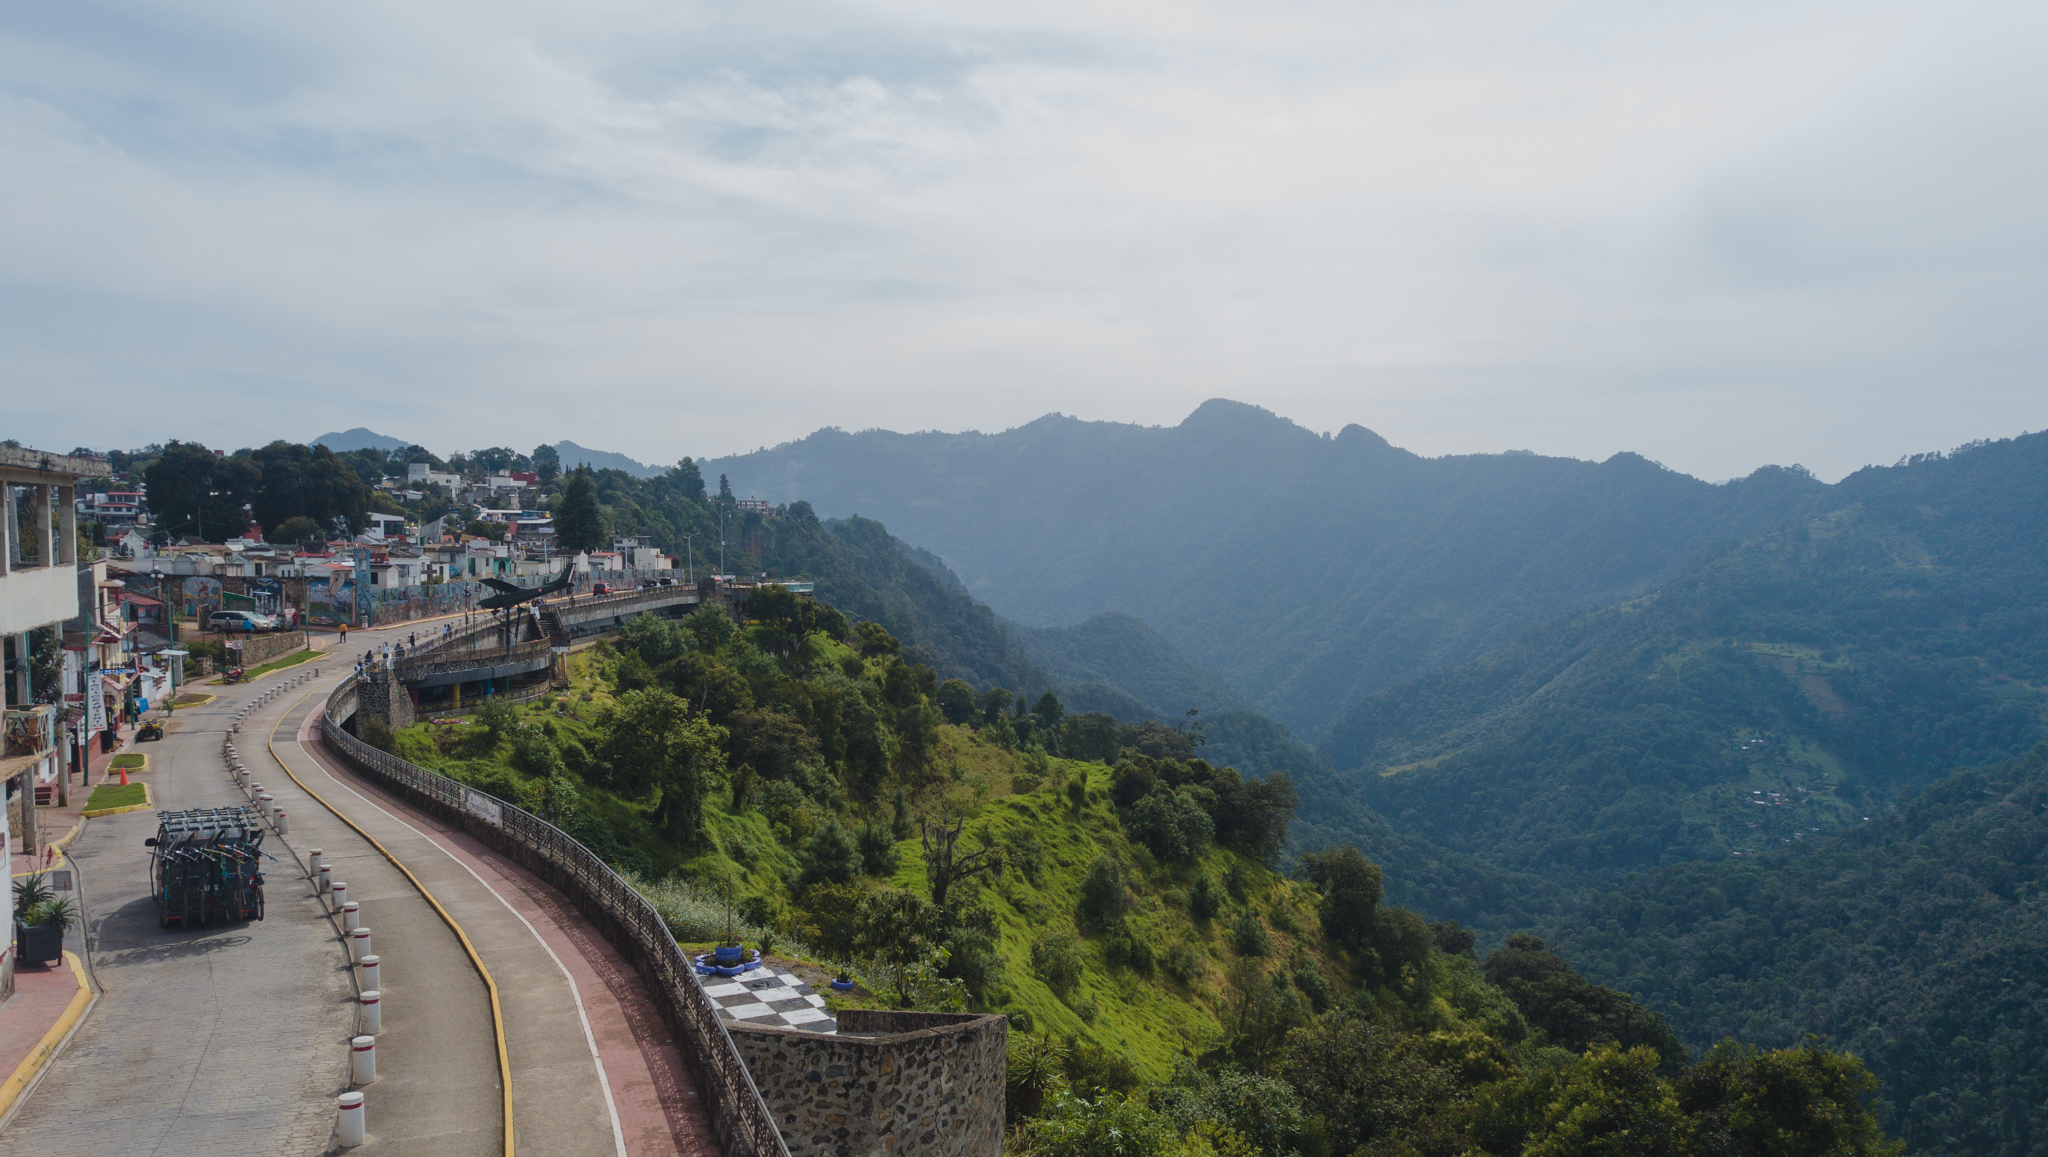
x,y
344,632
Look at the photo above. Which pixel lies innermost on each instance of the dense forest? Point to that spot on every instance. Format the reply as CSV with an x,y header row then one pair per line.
x,y
1171,993
1914,941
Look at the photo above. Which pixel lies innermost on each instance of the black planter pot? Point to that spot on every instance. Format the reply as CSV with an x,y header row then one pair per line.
x,y
38,943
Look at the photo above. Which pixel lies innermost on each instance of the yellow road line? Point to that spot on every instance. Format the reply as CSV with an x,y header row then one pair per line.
x,y
497,1011
31,1066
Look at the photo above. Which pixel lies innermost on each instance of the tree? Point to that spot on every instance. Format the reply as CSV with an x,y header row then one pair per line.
x,y
688,480
310,482
653,743
1572,1011
1048,712
297,528
1171,823
1351,891
1799,1102
195,493
580,523
995,704
547,464
945,866
724,491
485,528
830,857
1611,1105
956,701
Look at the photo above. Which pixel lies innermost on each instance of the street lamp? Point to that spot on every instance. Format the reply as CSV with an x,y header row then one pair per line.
x,y
690,566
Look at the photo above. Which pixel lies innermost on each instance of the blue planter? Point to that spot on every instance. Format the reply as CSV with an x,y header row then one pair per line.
x,y
843,985
727,957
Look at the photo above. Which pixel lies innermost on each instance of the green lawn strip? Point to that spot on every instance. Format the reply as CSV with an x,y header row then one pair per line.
x,y
116,795
291,660
131,761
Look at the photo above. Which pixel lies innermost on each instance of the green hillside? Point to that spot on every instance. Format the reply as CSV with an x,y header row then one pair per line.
x,y
795,779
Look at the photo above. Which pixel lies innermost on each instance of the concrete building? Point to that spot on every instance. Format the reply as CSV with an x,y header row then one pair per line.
x,y
39,588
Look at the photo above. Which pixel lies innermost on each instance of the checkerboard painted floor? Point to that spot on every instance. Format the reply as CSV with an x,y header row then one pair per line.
x,y
770,996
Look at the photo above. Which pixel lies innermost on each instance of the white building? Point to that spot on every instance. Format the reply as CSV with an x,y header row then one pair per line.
x,y
39,587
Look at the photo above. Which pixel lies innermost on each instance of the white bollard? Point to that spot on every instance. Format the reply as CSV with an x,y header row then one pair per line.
x,y
313,861
339,894
351,916
363,1067
372,968
323,879
351,1126
284,826
373,1012
267,805
359,942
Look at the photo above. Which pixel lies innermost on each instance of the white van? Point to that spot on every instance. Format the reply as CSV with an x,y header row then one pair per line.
x,y
228,622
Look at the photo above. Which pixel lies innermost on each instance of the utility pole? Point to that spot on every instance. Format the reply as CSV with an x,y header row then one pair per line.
x,y
721,538
690,565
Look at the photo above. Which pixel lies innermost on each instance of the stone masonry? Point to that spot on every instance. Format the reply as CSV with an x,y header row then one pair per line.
x,y
889,1084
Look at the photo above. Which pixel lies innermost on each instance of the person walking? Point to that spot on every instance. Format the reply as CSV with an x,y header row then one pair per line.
x,y
344,632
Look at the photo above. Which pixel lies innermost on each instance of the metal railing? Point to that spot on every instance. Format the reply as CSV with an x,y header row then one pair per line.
x,y
448,662
738,1115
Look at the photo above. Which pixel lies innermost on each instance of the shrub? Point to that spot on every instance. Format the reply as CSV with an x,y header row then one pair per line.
x,y
1248,935
1077,791
1093,1069
1205,900
374,731
533,754
1182,961
1129,947
1056,959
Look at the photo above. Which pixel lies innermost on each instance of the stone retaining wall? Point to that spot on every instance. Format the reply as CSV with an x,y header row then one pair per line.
x,y
260,649
888,1084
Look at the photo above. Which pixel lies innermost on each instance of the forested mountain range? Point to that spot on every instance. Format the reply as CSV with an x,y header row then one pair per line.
x,y
1306,571
1792,682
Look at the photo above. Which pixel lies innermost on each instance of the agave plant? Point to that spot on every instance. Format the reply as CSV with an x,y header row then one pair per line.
x,y
58,914
30,892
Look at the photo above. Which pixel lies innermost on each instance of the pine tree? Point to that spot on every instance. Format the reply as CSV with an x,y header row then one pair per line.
x,y
579,520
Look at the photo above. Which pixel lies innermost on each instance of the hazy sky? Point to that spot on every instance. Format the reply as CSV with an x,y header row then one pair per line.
x,y
1720,235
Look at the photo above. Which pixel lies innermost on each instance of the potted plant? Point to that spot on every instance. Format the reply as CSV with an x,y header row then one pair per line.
x,y
40,920
842,979
729,952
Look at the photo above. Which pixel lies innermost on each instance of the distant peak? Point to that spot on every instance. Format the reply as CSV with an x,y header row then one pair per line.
x,y
1223,411
1355,436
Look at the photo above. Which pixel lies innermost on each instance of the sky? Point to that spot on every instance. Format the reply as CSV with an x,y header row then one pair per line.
x,y
1717,235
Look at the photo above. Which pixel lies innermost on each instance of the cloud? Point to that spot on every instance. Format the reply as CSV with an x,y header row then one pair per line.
x,y
1719,237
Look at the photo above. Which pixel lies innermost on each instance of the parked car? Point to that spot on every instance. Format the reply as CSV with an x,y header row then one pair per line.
x,y
228,622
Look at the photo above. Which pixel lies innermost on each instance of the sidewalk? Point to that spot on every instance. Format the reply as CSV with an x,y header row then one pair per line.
x,y
48,1000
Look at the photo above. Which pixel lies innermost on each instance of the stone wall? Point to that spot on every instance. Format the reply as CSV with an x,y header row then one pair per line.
x,y
381,694
260,649
888,1084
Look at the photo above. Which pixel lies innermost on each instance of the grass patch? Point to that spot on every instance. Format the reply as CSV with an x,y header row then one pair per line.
x,y
291,660
117,795
192,700
131,761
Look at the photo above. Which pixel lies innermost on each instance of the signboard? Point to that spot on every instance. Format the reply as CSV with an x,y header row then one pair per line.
x,y
96,706
483,806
